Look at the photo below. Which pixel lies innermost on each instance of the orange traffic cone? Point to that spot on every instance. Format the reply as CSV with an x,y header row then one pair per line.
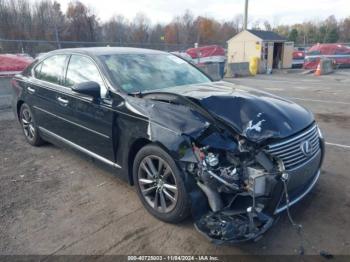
x,y
318,70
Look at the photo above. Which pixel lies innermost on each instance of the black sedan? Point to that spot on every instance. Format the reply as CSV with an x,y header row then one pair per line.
x,y
233,156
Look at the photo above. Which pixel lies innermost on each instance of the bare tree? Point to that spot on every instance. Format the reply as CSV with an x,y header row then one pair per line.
x,y
140,28
82,22
44,20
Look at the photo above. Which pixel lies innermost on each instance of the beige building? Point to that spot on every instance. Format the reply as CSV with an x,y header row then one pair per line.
x,y
272,49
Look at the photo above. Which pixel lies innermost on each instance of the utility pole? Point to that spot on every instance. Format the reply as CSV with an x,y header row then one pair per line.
x,y
245,25
57,37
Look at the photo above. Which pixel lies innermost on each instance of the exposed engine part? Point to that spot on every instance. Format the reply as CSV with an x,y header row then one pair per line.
x,y
263,160
212,159
242,145
208,169
191,167
222,174
218,178
256,181
214,199
229,174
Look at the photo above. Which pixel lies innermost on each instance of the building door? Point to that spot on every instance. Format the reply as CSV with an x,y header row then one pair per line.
x,y
277,55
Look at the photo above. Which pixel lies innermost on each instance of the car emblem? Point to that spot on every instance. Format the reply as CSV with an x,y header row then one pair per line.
x,y
306,148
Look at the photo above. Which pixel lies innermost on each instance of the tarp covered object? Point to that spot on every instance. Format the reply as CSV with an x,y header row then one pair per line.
x,y
13,63
338,53
207,54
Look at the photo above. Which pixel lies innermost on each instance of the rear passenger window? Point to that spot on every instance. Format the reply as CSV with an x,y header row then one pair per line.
x,y
51,69
82,69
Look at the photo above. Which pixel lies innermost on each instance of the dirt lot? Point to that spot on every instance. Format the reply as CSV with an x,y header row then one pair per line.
x,y
54,201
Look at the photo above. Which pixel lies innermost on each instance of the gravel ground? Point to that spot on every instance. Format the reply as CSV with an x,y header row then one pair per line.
x,y
54,201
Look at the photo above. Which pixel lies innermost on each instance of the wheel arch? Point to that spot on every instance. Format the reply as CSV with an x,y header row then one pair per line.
x,y
136,146
18,107
134,149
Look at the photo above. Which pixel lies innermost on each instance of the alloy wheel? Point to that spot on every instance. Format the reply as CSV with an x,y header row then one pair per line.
x,y
28,124
158,184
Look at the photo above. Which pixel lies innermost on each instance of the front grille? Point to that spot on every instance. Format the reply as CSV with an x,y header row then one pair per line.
x,y
290,150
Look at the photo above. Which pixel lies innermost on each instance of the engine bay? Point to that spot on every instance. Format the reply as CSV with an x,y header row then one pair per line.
x,y
238,186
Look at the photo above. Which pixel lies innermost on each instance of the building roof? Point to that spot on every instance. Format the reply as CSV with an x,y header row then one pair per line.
x,y
267,35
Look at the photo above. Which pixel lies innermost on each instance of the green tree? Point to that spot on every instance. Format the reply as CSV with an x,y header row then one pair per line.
x,y
344,30
293,35
332,36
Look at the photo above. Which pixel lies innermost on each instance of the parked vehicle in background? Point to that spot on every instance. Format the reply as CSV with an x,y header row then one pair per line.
x,y
211,54
11,64
25,55
340,54
298,58
232,156
207,54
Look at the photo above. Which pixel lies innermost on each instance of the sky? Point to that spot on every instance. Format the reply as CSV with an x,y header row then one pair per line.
x,y
275,11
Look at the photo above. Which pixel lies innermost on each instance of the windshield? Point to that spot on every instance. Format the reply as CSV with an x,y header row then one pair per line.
x,y
145,72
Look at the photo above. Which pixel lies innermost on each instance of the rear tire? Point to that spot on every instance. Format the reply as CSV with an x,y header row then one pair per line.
x,y
159,185
29,126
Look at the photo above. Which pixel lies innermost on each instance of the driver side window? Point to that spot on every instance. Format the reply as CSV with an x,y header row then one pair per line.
x,y
82,69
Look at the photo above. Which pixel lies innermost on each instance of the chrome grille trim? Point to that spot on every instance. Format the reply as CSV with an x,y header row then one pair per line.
x,y
289,150
294,138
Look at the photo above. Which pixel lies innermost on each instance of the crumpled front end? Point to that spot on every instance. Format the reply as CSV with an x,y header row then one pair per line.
x,y
244,184
244,160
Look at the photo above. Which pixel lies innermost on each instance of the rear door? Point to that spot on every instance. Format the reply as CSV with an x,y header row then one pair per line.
x,y
45,87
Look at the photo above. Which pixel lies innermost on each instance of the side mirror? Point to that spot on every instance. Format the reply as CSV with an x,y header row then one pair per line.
x,y
89,88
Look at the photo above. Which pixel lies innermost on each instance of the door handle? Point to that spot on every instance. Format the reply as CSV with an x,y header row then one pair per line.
x,y
31,90
62,101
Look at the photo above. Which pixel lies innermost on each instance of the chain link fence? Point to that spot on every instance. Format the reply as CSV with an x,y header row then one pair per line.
x,y
35,47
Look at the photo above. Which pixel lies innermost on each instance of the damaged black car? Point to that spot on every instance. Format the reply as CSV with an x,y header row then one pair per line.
x,y
232,156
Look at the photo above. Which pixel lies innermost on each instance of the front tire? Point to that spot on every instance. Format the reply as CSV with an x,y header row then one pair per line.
x,y
160,185
29,126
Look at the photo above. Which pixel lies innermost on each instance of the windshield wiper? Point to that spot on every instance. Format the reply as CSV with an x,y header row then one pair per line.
x,y
137,93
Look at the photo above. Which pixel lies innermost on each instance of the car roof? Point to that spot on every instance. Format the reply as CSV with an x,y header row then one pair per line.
x,y
98,51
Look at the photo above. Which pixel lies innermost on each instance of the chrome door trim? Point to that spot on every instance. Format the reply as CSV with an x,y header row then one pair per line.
x,y
73,123
62,100
80,148
31,90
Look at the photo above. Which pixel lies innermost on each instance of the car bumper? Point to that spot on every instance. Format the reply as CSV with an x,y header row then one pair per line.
x,y
301,189
283,207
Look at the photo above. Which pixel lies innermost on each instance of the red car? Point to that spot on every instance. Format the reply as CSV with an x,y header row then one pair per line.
x,y
207,54
340,54
11,64
298,58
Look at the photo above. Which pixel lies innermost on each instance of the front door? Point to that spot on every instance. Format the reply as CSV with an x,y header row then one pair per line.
x,y
66,115
90,122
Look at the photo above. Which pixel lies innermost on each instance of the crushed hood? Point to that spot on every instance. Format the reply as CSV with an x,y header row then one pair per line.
x,y
254,114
